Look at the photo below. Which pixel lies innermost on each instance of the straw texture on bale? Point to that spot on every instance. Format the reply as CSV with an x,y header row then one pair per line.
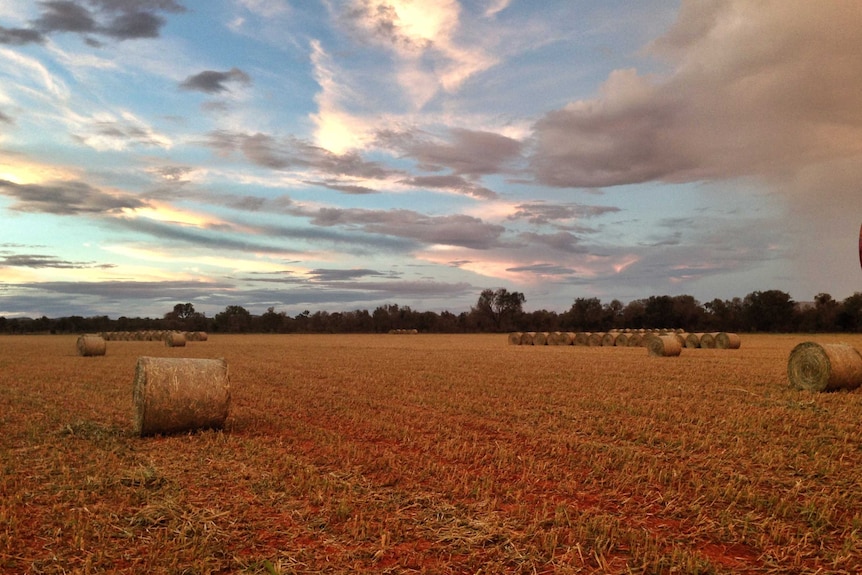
x,y
594,339
608,339
824,367
541,338
663,345
707,341
581,338
175,339
173,395
725,340
515,338
692,340
635,340
622,340
90,345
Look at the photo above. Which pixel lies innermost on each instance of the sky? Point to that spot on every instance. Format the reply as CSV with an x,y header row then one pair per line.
x,y
337,155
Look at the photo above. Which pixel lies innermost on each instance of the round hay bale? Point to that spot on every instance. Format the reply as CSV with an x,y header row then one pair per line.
x,y
541,338
725,340
173,395
175,339
621,340
556,338
202,336
707,341
608,339
594,339
581,338
528,338
91,345
692,340
515,338
824,367
664,346
635,340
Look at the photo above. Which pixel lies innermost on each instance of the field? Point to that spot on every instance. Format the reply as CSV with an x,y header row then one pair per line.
x,y
432,454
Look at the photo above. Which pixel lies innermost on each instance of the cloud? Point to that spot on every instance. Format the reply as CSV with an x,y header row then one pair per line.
x,y
66,198
541,213
20,36
212,82
45,261
455,230
293,153
454,183
467,152
5,119
344,188
732,104
338,275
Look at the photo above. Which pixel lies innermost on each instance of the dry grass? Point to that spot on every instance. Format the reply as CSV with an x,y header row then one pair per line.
x,y
432,454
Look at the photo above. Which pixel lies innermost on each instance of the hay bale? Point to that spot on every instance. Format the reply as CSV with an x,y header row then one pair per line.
x,y
174,395
621,340
824,367
175,339
707,341
635,340
608,339
594,339
515,338
725,340
692,340
541,338
528,338
201,335
581,338
663,345
91,345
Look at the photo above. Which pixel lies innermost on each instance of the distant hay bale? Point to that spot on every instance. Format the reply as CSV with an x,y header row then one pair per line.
x,y
201,335
824,367
175,339
594,339
174,395
515,338
635,340
528,338
663,346
555,338
541,338
725,340
621,340
707,341
608,339
581,338
692,340
91,345
680,337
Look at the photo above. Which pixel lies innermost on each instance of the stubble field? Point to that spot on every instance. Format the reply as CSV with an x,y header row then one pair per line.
x,y
432,454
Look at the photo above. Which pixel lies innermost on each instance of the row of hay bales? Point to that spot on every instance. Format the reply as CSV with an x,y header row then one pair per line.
x,y
403,331
152,335
718,340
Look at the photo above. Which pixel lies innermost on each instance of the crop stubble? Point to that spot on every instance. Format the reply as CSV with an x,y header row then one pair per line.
x,y
438,454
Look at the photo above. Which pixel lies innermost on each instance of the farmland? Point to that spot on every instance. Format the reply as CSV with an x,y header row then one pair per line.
x,y
432,454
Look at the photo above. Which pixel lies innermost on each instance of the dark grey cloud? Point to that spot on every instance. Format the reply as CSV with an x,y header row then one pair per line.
x,y
291,153
123,131
5,119
213,82
466,152
65,198
20,36
454,230
542,213
344,188
452,182
45,261
337,275
544,269
116,19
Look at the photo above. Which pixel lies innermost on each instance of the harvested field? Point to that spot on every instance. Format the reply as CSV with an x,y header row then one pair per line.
x,y
432,454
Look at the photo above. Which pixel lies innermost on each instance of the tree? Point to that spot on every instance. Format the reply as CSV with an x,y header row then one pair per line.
x,y
771,310
498,309
234,319
586,314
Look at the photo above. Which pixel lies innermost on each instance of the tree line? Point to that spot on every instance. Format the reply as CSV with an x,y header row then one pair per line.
x,y
497,310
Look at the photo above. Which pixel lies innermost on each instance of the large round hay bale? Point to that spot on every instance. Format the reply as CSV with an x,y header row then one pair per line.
x,y
707,341
528,338
90,345
541,338
201,336
173,395
692,340
635,340
515,338
608,339
175,339
621,340
824,367
581,338
725,340
594,339
663,345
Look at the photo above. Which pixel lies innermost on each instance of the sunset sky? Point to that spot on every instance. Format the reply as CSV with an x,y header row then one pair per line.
x,y
344,154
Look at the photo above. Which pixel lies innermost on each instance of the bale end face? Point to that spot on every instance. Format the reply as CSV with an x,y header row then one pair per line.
x,y
91,345
824,367
664,346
